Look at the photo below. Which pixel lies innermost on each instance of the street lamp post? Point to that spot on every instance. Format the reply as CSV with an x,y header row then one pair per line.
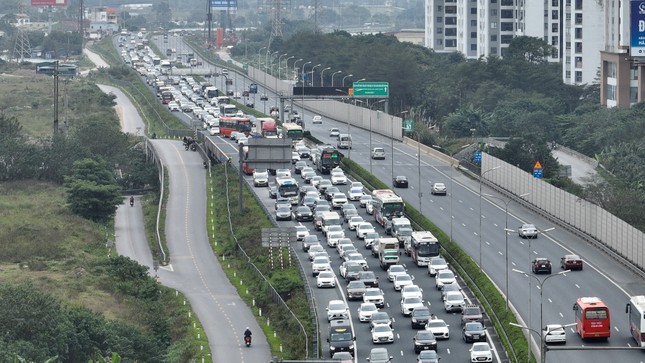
x,y
480,213
280,62
370,109
419,165
312,74
259,51
286,68
540,287
403,113
303,73
295,69
349,151
332,77
506,232
349,75
321,76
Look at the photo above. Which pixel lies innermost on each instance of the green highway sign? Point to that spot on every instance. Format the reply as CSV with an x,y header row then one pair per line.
x,y
408,124
371,89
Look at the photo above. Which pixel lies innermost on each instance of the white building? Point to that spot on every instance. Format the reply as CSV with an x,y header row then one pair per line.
x,y
479,28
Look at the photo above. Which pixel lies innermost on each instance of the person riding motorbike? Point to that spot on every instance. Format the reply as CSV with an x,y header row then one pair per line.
x,y
131,201
247,336
247,333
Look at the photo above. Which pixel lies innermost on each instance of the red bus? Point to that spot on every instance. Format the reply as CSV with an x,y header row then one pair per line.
x,y
230,124
592,318
268,127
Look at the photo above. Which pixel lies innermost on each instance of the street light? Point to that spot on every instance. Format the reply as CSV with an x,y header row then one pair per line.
x,y
295,69
332,77
506,232
360,80
540,286
280,62
259,51
312,73
321,76
286,68
480,213
349,75
303,73
419,161
392,139
370,109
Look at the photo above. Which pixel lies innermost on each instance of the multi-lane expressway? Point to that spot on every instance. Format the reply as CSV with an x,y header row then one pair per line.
x,y
458,214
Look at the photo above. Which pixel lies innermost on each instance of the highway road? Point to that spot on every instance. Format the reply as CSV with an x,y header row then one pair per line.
x,y
458,214
194,269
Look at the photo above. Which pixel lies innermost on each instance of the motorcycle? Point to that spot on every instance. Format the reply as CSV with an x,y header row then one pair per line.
x,y
193,146
131,202
247,341
186,146
205,165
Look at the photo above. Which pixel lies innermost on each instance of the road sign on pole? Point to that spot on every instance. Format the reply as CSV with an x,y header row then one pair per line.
x,y
408,125
371,89
537,170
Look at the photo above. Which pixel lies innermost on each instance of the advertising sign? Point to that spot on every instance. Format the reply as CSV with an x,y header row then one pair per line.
x,y
223,4
48,2
637,28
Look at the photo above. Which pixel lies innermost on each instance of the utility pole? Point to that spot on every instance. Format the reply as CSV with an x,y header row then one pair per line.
x,y
82,27
56,98
209,20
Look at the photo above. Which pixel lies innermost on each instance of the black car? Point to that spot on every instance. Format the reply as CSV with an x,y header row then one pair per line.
x,y
369,278
355,290
420,317
541,265
273,191
400,181
329,192
264,97
303,214
309,241
473,332
424,340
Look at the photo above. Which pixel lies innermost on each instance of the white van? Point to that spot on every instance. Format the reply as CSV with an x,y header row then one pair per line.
x,y
330,219
344,141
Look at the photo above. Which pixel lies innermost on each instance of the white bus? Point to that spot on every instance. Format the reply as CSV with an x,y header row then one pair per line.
x,y
636,312
227,110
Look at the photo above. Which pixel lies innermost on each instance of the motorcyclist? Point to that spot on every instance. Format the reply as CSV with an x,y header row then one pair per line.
x,y
247,333
132,200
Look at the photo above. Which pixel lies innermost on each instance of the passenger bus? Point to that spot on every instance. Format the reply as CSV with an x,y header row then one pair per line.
x,y
288,188
386,205
592,318
227,110
268,127
230,124
166,96
210,92
292,131
424,245
326,158
636,313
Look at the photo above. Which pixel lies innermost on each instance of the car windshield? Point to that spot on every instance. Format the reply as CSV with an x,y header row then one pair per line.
x,y
378,356
372,293
437,262
337,306
321,259
421,312
403,278
326,275
474,327
436,324
481,348
412,300
382,328
446,274
397,268
301,228
368,307
368,275
425,335
356,285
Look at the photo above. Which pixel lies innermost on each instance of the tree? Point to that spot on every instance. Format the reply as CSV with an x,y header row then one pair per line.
x,y
466,121
92,191
529,49
523,152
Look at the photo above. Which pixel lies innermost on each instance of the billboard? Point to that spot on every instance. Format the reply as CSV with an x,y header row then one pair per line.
x,y
637,29
48,2
223,4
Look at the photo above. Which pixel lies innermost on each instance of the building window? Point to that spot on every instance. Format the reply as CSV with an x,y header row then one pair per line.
x,y
493,50
451,20
493,38
567,45
578,76
439,41
554,27
451,32
493,25
473,35
554,15
493,1
611,92
451,43
578,47
439,19
503,52
578,62
473,47
493,12
568,17
439,30
633,73
578,33
554,40
578,19
555,3
451,10
473,11
439,8
567,60
578,4
506,26
507,3
473,23
611,70
554,53
633,94
506,14
568,74
506,39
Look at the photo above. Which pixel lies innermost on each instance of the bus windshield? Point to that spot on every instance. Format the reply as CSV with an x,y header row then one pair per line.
x,y
288,190
393,209
427,249
295,134
593,314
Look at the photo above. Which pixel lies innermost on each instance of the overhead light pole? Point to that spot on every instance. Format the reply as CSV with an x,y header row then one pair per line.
x,y
312,73
321,76
332,77
540,284
349,75
481,176
295,69
286,65
506,232
259,51
349,151
370,109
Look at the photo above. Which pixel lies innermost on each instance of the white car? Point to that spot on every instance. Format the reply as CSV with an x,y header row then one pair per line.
x,y
411,291
346,250
382,333
554,333
481,352
316,119
319,264
326,279
355,194
410,303
394,270
436,264
295,157
369,239
356,257
365,312
173,107
315,181
338,178
333,237
527,231
454,301
301,232
338,200
364,200
374,295
283,173
354,222
314,250
444,277
363,229
335,228
402,280
439,328
439,188
260,178
356,184
342,243
213,130
334,132
337,309
378,153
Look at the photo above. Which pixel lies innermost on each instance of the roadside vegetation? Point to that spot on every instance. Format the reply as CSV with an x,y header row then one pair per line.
x,y
66,295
